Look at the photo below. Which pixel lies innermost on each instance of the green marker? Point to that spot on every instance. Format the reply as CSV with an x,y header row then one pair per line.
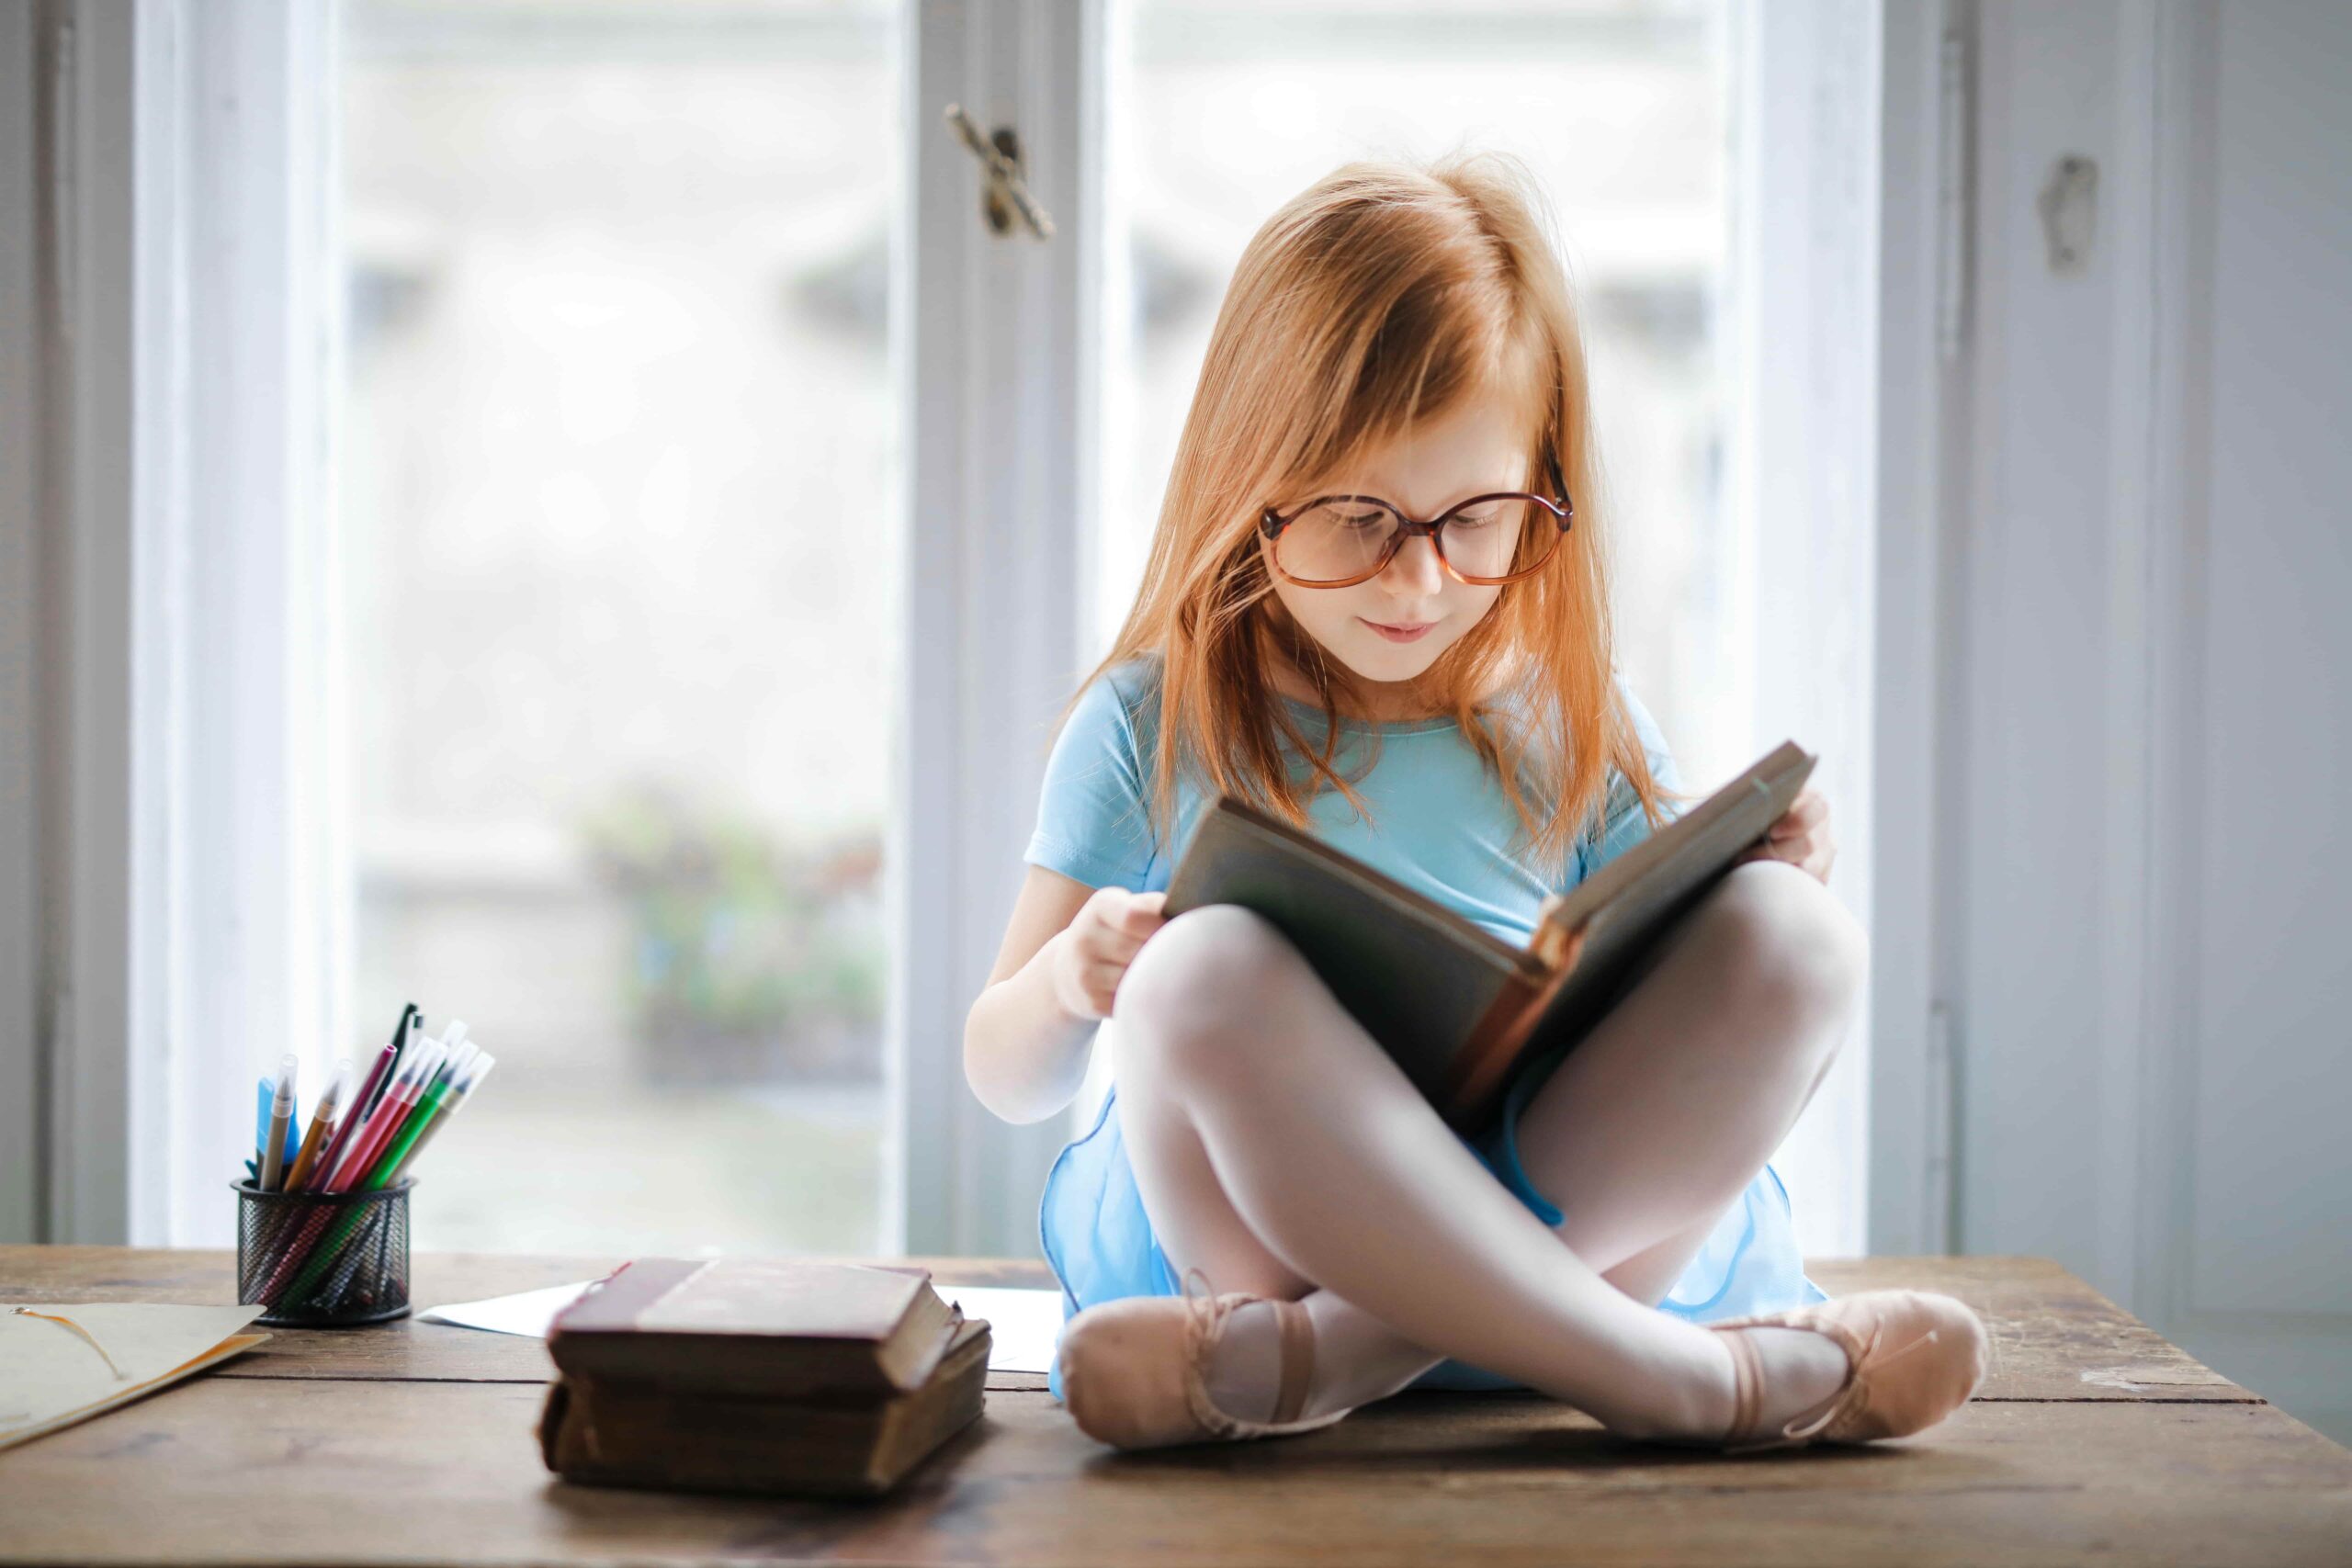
x,y
456,1098
437,1095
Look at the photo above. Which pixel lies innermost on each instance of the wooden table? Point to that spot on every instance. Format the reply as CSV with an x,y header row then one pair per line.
x,y
411,1442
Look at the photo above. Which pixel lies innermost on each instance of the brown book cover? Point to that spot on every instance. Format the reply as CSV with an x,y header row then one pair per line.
x,y
761,1327
635,1434
1456,1006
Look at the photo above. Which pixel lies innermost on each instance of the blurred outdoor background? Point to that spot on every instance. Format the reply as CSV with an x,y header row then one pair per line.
x,y
618,378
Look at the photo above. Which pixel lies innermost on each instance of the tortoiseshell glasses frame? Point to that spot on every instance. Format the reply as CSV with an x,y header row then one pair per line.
x,y
1560,509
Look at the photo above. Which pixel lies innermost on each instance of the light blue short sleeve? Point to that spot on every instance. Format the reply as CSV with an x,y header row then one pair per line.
x,y
1623,823
1093,825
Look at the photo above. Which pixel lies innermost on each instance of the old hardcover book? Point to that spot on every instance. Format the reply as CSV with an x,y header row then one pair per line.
x,y
639,1435
774,1329
1456,1006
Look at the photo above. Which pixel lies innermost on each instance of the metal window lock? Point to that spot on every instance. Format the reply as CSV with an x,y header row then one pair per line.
x,y
1006,194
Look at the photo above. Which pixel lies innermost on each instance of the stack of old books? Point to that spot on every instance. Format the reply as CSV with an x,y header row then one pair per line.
x,y
740,1375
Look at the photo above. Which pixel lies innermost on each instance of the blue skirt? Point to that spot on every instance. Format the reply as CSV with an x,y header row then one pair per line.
x,y
1096,1236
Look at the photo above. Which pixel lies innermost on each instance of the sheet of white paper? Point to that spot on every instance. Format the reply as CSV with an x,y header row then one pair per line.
x,y
529,1313
1023,1325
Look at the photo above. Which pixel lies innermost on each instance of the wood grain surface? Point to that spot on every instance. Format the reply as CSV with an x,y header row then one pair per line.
x,y
406,1349
412,1443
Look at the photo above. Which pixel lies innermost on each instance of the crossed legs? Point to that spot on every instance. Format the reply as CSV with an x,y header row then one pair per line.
x,y
1281,1150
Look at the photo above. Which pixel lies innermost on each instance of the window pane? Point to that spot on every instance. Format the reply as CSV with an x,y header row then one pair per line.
x,y
1620,111
618,486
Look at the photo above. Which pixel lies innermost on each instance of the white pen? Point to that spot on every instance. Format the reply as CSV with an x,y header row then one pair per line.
x,y
281,1111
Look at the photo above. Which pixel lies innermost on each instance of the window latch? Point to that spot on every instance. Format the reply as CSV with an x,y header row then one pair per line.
x,y
1006,194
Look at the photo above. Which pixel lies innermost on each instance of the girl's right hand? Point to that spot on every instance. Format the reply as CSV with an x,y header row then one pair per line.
x,y
1098,943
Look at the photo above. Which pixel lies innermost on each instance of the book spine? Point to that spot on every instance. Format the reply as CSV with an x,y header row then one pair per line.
x,y
1548,946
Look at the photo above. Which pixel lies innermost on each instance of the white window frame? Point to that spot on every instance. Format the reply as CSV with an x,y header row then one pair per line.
x,y
1804,469
177,825
1920,315
997,381
91,438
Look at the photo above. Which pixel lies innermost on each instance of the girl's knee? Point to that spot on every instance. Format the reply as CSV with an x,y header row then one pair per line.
x,y
1790,936
1193,989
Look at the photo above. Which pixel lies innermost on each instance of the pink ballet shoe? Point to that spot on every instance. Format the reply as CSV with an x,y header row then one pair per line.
x,y
1134,1370
1936,1361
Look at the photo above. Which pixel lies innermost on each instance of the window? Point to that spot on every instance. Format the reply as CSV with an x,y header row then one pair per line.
x,y
617,485
651,314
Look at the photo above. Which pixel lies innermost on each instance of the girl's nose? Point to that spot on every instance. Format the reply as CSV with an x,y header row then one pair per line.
x,y
1415,566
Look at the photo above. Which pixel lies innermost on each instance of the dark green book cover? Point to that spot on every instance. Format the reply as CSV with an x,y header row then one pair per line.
x,y
1456,1006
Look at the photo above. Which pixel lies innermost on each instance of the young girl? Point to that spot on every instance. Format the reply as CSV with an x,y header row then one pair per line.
x,y
1377,604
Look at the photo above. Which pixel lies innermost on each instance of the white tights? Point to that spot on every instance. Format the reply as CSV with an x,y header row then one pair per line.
x,y
1281,1150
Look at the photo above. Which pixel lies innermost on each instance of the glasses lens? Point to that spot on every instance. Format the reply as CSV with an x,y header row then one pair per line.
x,y
1334,540
1497,537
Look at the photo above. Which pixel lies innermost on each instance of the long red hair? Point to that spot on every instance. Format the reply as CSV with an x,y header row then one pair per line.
x,y
1382,295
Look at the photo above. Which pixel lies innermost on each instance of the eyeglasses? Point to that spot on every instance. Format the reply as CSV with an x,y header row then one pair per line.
x,y
1335,540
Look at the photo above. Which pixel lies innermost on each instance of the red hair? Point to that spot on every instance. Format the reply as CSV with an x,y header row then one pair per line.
x,y
1383,295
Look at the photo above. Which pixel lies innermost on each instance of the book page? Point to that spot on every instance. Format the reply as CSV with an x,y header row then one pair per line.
x,y
51,1375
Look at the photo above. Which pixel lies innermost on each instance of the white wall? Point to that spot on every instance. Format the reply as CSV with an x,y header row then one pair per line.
x,y
2140,904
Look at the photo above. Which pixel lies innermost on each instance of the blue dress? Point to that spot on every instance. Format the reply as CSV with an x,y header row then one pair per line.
x,y
1437,822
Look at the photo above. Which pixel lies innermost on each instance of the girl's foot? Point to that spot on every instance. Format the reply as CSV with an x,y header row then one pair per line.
x,y
1145,1372
1911,1359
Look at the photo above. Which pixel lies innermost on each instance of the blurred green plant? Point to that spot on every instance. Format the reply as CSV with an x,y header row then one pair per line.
x,y
754,955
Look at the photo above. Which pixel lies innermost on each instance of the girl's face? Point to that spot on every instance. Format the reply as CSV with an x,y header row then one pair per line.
x,y
1391,627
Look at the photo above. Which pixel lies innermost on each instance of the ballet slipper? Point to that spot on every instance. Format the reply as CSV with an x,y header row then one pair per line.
x,y
1134,1370
1936,1361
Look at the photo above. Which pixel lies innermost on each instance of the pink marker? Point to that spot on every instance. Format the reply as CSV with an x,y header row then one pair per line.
x,y
339,1142
390,1112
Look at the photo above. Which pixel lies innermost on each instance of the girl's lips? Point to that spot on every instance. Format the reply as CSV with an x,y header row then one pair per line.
x,y
1400,634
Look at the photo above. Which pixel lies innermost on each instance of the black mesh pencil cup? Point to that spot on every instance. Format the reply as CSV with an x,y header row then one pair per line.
x,y
320,1259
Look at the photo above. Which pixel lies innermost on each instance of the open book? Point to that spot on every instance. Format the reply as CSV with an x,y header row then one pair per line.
x,y
63,1362
1458,1007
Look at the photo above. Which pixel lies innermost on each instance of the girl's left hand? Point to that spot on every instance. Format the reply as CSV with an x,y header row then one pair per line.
x,y
1801,836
